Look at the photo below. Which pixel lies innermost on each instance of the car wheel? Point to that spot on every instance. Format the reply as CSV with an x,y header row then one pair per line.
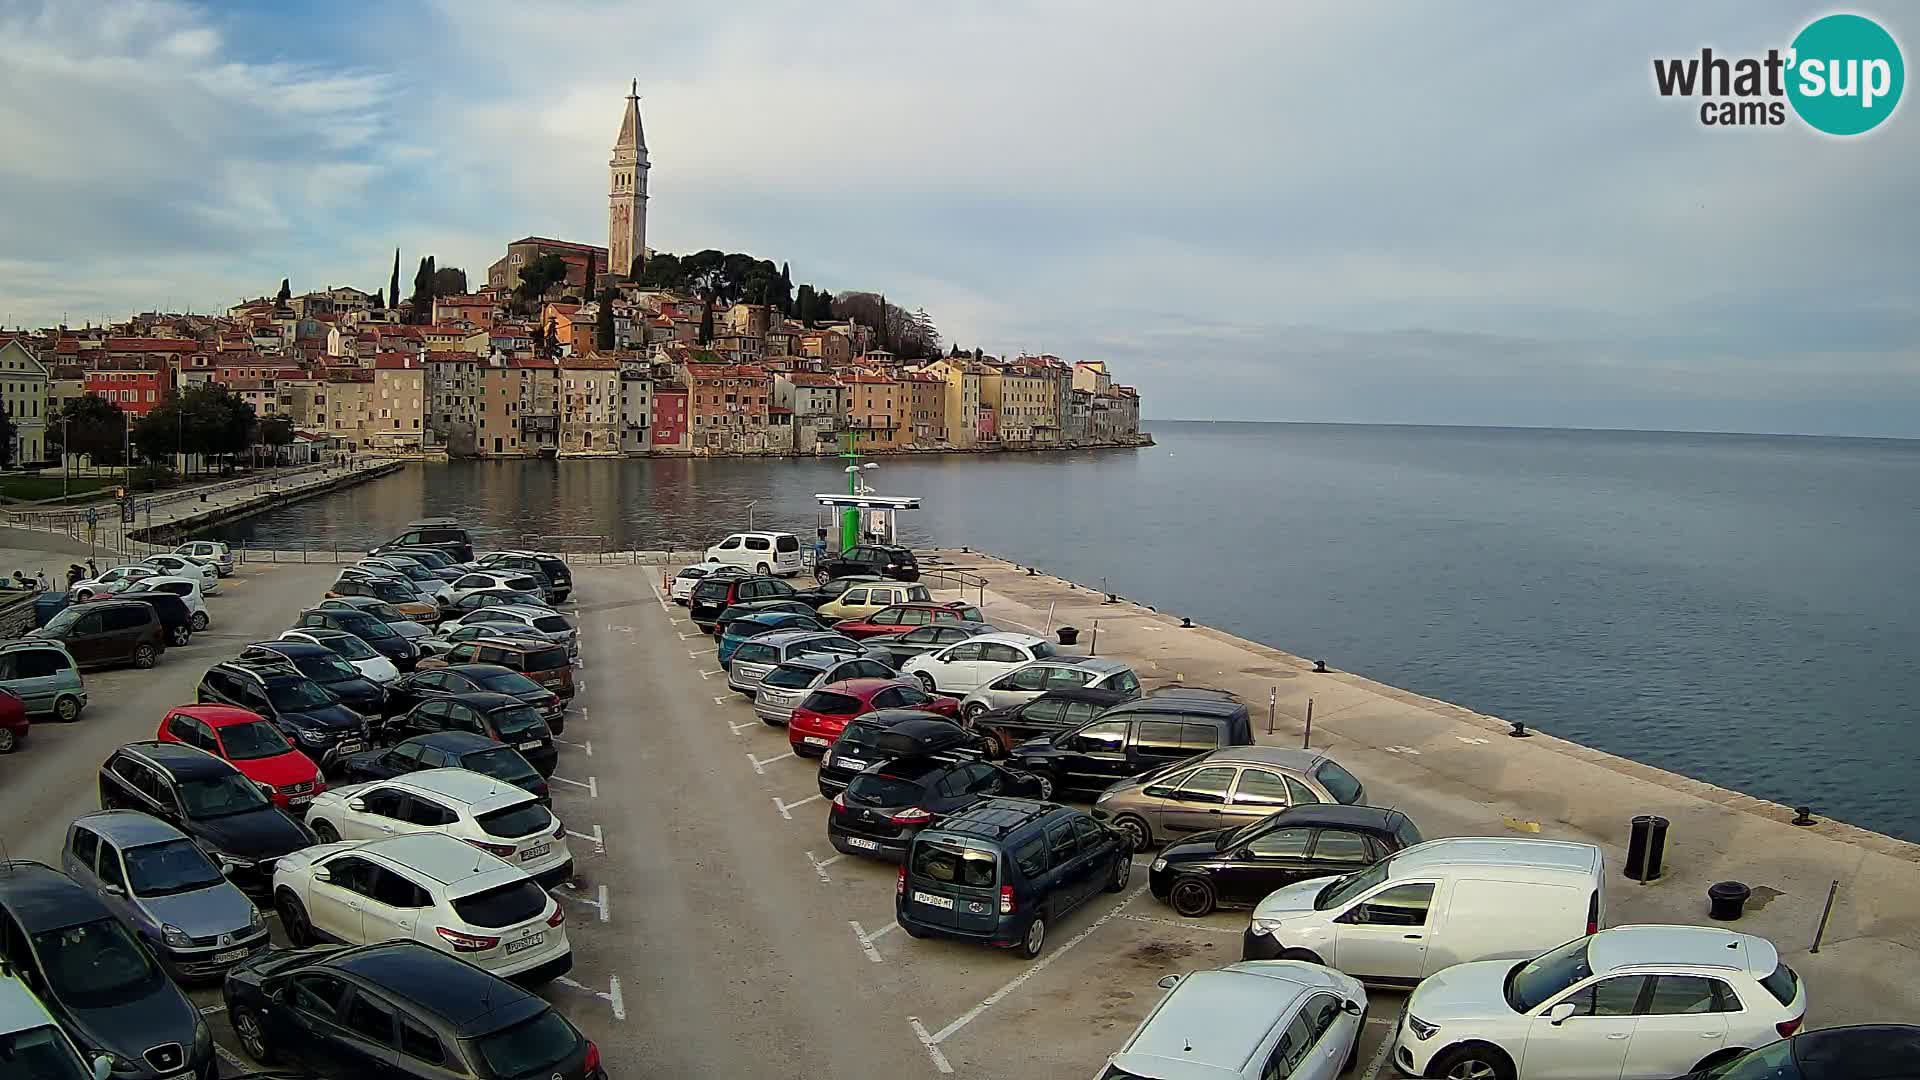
x,y
1046,786
762,569
973,710
1305,956
1473,1061
293,920
1137,829
1192,897
181,635
144,656
926,682
199,621
1122,872
990,748
325,832
1035,939
7,741
66,708
252,1033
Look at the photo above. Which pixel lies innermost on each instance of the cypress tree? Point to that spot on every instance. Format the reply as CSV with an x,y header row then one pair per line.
x,y
393,287
603,325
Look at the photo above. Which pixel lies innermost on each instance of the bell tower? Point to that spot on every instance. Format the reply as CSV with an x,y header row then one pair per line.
x,y
627,191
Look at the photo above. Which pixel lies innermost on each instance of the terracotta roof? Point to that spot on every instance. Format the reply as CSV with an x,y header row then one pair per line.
x,y
725,371
533,363
558,245
395,362
133,344
810,378
590,362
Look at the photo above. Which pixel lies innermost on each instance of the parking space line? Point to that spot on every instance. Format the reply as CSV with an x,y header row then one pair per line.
x,y
744,725
213,1010
599,842
785,808
1180,925
711,674
690,637
592,785
600,904
586,746
760,766
695,654
232,1059
720,700
1379,1059
820,866
933,1051
866,942
611,995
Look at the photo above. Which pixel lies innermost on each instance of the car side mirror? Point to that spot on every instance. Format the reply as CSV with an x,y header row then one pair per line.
x,y
1351,1007
356,804
113,890
1559,1013
321,873
102,1067
1169,982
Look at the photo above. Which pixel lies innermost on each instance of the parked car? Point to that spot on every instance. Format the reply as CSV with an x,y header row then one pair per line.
x,y
544,663
723,623
961,669
443,534
161,886
445,566
368,661
415,996
249,743
885,806
751,662
824,713
14,725
786,683
443,639
429,683
448,750
1029,681
1860,1052
496,580
714,594
117,579
537,621
765,553
187,589
409,612
863,600
496,716
755,624
209,800
377,634
426,581
1049,714
176,618
1002,872
903,646
1254,1020
680,589
551,567
826,591
198,571
30,1039
1636,1002
328,669
888,735
108,633
318,724
1222,789
1477,898
102,986
899,618
43,675
877,560
215,552
498,818
1135,737
1237,867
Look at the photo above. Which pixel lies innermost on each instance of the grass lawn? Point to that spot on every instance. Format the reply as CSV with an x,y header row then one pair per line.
x,y
30,487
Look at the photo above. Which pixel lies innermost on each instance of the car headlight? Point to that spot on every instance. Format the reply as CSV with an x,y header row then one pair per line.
x,y
228,863
1265,926
826,759
1420,1028
122,1066
1159,864
175,937
202,1039
257,923
310,736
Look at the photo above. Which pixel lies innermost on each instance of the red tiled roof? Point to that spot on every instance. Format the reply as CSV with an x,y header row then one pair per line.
x,y
532,363
133,344
395,362
589,362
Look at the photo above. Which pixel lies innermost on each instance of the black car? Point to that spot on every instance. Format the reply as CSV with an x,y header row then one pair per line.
x,y
324,666
1239,867
443,565
447,750
336,1011
885,734
482,599
384,639
209,800
496,716
885,806
316,721
1004,871
1135,737
715,594
1049,714
99,983
828,591
558,578
173,612
764,607
453,679
441,534
896,563
1861,1052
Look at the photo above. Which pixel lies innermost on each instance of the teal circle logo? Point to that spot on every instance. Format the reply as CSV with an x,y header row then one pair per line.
x,y
1846,74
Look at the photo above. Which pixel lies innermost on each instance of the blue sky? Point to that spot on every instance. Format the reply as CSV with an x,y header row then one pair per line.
x,y
1473,214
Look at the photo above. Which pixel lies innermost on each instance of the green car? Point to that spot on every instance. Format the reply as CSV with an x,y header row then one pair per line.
x,y
42,674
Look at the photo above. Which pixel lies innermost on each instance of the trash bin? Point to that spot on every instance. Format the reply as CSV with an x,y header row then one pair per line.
x,y
1069,634
47,605
1646,847
1727,899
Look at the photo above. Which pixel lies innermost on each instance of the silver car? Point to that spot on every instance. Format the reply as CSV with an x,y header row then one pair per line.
x,y
1254,1019
1029,681
164,888
545,622
784,687
758,655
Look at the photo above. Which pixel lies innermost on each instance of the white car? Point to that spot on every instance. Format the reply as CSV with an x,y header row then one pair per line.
x,y
961,669
425,887
348,647
188,590
764,553
680,589
1627,1003
492,815
482,580
543,622
186,567
212,551
1253,1020
118,579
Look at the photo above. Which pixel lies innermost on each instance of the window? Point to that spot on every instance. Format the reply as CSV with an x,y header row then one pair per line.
x,y
1079,712
1340,846
1207,786
1032,857
383,802
1339,783
1061,838
1676,995
1402,905
85,846
1783,983
1194,736
393,890
1044,711
319,994
1301,793
421,811
1294,1045
1608,997
1109,737
1282,844
999,653
1027,678
38,663
1088,832
1258,787
371,1019
1161,738
1066,678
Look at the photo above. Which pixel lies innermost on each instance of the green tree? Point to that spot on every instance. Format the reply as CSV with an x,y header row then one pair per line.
x,y
706,319
603,323
379,299
638,271
803,305
9,435
93,426
393,287
449,281
423,291
536,278
285,294
276,433
783,292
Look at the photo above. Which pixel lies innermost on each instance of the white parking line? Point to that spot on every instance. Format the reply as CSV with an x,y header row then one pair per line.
x,y
920,1032
690,637
587,745
1379,1059
720,701
746,725
600,904
1180,925
213,1010
611,995
232,1059
598,840
786,807
820,866
695,654
866,942
592,785
760,766
711,674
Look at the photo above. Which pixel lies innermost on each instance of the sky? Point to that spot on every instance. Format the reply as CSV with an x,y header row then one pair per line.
x,y
1351,212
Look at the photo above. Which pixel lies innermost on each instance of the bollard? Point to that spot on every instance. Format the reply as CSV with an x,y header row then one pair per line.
x,y
1727,899
1273,700
1803,816
1069,635
1306,737
1826,913
1186,623
1093,647
1320,667
1519,730
1646,847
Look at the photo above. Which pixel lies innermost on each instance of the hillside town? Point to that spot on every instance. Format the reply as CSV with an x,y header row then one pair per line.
x,y
561,354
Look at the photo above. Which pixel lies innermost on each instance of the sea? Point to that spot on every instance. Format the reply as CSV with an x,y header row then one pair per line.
x,y
1744,609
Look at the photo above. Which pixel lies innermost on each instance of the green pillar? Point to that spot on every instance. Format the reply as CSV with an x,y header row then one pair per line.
x,y
850,517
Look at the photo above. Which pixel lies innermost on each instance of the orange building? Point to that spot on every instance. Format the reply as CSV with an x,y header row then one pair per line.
x,y
877,412
727,404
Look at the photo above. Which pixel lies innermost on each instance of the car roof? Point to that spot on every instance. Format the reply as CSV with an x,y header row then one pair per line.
x,y
1098,695
784,639
751,532
458,742
177,759
514,644
996,818
1178,705
436,522
217,715
1680,946
293,648
43,898
466,998
1026,640
1279,757
763,618
816,662
435,855
1214,1022
1367,818
19,1009
485,700
129,828
33,643
1521,858
481,793
864,689
1859,1052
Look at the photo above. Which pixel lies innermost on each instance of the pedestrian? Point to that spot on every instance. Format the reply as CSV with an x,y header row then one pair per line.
x,y
75,574
40,579
93,569
819,546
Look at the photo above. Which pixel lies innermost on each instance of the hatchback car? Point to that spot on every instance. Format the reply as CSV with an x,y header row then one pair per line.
x,y
316,721
1860,1052
888,735
14,725
1637,1002
197,570
1238,867
382,638
248,742
97,980
755,623
326,668
1254,1020
497,817
118,579
1224,789
164,888
448,750
312,1007
108,633
430,888
896,563
545,663
899,618
785,684
1049,714
374,667
824,713
187,589
756,658
830,590
215,552
43,675
552,568
410,620
443,534
1004,871
724,621
479,581
715,594
537,621
863,600
963,668
176,617
430,584
681,587
443,639
1023,684
432,682
209,800
448,568
885,806
497,716
903,646
31,1040
1134,738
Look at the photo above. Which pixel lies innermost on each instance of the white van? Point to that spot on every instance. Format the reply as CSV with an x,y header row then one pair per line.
x,y
1434,905
775,553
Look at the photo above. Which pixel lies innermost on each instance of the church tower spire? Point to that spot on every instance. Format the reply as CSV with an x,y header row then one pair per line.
x,y
627,191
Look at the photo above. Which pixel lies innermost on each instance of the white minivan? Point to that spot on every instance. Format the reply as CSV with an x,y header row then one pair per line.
x,y
1434,905
764,553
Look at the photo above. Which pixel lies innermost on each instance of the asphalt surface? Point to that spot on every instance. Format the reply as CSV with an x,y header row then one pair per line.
x,y
715,930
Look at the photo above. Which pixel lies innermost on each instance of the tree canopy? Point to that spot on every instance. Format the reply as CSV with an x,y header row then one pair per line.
x,y
207,420
93,426
537,277
449,281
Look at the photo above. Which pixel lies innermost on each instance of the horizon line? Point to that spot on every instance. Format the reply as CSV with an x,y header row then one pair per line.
x,y
1532,427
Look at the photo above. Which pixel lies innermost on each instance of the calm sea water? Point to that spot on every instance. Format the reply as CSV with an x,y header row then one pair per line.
x,y
1743,609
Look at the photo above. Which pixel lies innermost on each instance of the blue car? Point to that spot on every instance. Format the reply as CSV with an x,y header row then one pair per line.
x,y
747,626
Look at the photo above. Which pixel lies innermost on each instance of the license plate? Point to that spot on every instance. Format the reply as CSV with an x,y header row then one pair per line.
x,y
849,763
229,956
351,746
538,852
299,800
933,901
874,845
530,744
524,943
815,740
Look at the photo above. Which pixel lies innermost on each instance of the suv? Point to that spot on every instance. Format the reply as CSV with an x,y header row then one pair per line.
x,y
1251,1021
754,658
498,818
30,1038
215,552
715,594
526,620
863,600
1135,737
1223,789
209,800
497,716
432,682
897,563
1000,872
176,617
383,639
407,602
495,579
448,750
251,744
534,563
43,676
543,662
442,534
102,986
314,719
775,553
881,810
1057,673
108,632
1049,714
326,667
879,737
780,685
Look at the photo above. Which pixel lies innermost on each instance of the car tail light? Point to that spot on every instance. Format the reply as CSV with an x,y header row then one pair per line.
x,y
900,883
559,828
912,816
592,1064
1006,899
1786,1028
502,850
840,803
559,916
466,942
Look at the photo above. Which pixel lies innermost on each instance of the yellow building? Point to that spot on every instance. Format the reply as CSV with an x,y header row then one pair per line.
x,y
878,412
23,393
961,415
397,410
590,413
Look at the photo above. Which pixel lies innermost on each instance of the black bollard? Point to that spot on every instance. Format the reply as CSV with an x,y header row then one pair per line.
x,y
1646,847
1726,900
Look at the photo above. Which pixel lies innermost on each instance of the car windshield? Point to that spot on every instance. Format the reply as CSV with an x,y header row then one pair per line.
x,y
255,739
692,573
787,677
1545,975
40,1052
530,1047
831,704
551,624
289,695
437,560
220,796
503,905
520,721
362,625
96,965
501,763
521,819
349,646
1346,888
62,622
505,682
176,866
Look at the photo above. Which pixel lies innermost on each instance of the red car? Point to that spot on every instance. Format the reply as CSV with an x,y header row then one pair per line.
x,y
253,745
901,618
13,722
823,714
